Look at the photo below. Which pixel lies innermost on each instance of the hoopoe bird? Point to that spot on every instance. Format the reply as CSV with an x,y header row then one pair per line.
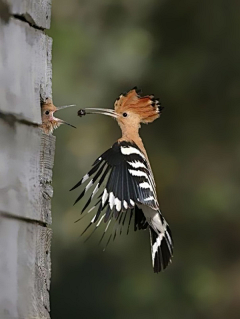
x,y
125,171
49,122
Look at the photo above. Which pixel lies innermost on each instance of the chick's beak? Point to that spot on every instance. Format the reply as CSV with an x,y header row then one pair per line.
x,y
59,120
64,107
108,112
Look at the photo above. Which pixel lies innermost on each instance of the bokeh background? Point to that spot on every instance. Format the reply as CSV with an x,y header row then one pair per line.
x,y
187,53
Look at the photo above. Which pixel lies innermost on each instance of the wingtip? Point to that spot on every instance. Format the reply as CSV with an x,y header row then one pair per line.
x,y
76,186
78,199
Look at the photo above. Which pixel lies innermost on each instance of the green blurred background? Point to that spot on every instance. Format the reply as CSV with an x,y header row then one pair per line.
x,y
187,53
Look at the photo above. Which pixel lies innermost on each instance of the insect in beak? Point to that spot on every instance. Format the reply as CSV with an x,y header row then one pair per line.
x,y
108,112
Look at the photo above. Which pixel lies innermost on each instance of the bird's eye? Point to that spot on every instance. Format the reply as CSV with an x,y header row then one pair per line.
x,y
47,112
125,115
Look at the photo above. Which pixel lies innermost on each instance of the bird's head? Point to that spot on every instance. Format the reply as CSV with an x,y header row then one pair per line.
x,y
130,109
49,121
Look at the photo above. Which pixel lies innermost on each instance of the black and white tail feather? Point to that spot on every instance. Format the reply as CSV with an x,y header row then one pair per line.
x,y
129,190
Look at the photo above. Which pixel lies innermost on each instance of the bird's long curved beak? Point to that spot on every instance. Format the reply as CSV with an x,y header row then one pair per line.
x,y
108,112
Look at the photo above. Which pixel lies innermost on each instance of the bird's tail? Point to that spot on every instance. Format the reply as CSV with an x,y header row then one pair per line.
x,y
161,244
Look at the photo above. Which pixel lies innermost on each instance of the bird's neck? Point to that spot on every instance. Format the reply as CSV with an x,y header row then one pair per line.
x,y
131,134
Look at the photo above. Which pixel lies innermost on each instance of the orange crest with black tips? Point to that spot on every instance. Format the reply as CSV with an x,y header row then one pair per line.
x,y
147,107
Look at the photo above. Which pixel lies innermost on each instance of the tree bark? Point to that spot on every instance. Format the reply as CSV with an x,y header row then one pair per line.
x,y
26,160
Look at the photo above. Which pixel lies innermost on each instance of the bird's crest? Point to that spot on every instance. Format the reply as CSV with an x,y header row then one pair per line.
x,y
147,107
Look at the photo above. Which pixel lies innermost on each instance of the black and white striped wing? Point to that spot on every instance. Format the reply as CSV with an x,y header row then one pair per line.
x,y
124,171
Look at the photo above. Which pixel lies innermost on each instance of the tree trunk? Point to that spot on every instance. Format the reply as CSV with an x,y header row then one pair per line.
x,y
26,160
